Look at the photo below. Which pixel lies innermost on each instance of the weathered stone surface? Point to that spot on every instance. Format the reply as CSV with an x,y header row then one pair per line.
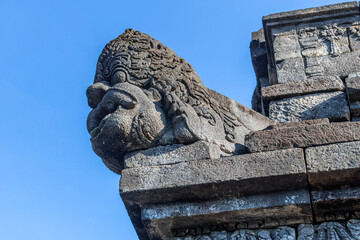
x,y
321,31
215,178
172,154
300,134
290,70
286,43
329,231
325,231
347,7
258,53
332,105
339,65
333,165
257,100
337,204
353,93
160,219
144,96
321,84
354,35
353,89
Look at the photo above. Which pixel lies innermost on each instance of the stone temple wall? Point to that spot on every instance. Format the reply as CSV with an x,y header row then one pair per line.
x,y
196,165
307,64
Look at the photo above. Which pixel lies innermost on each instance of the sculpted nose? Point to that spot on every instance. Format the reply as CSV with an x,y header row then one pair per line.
x,y
96,92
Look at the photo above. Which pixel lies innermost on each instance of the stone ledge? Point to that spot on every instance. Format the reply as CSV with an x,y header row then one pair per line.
x,y
309,12
215,178
334,165
159,220
324,84
336,204
302,135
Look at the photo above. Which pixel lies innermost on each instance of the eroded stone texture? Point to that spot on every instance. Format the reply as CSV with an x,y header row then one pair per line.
x,y
325,39
144,96
214,178
353,93
172,154
349,230
329,231
300,134
333,165
158,219
322,84
336,204
290,70
332,105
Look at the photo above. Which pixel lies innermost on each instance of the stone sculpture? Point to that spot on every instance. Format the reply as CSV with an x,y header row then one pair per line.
x,y
144,95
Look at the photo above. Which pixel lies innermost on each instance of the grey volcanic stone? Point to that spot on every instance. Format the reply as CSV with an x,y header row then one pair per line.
x,y
159,219
322,84
353,89
333,165
309,12
331,105
286,43
341,65
290,70
336,204
258,53
145,96
353,93
215,178
302,135
172,154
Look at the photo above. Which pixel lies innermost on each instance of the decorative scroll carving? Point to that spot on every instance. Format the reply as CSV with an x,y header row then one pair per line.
x,y
325,231
144,95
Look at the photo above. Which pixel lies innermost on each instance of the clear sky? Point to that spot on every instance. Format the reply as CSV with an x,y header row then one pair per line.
x,y
52,185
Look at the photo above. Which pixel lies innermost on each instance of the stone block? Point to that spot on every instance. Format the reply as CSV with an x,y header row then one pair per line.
x,y
215,178
347,7
333,166
353,88
332,105
338,14
355,110
336,204
286,43
354,36
341,65
172,154
290,70
321,84
301,134
161,220
258,53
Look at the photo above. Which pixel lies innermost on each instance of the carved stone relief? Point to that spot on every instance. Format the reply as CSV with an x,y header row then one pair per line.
x,y
354,36
144,95
325,231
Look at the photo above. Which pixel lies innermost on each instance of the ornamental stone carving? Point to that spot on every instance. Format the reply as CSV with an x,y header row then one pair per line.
x,y
144,95
325,231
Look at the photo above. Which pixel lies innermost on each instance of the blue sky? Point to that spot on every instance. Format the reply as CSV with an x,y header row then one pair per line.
x,y
52,184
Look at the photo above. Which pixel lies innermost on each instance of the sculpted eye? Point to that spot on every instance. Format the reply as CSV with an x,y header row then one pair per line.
x,y
110,106
128,104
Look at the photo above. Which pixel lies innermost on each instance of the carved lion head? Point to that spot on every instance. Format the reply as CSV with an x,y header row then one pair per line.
x,y
144,95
